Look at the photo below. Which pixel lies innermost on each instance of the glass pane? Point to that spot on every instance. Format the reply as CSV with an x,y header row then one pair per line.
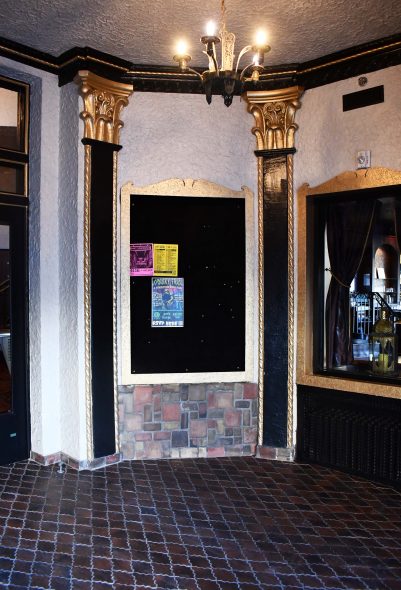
x,y
361,237
10,132
12,178
5,324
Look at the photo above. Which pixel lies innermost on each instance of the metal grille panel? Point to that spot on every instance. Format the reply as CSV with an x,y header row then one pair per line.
x,y
356,433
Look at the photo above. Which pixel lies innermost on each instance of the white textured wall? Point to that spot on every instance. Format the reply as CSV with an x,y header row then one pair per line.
x,y
328,138
43,256
72,359
49,267
177,135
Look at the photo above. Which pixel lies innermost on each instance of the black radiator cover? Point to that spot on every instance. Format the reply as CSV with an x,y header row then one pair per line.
x,y
360,434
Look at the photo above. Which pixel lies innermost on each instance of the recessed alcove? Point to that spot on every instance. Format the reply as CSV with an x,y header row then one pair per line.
x,y
181,394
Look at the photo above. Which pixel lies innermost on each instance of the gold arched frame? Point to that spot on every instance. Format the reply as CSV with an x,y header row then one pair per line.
x,y
347,181
187,187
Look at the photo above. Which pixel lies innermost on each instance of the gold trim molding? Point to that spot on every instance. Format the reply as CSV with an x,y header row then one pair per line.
x,y
347,181
115,320
291,387
274,112
354,180
103,102
87,303
261,305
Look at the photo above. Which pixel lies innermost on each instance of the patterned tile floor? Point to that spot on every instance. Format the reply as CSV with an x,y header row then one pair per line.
x,y
201,524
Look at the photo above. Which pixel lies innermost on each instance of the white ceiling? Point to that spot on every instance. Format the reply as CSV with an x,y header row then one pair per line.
x,y
145,32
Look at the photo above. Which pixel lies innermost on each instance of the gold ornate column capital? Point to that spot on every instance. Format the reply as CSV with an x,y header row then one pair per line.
x,y
274,112
103,100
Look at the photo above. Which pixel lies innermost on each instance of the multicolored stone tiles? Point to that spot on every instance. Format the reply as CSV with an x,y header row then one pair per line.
x,y
202,420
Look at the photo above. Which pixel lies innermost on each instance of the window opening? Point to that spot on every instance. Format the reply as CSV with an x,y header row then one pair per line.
x,y
357,279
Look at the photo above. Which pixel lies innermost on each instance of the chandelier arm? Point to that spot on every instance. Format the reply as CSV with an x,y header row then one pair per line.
x,y
244,70
213,65
216,66
191,71
242,53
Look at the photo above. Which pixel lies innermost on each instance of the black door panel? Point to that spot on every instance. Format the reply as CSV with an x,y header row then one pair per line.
x,y
14,415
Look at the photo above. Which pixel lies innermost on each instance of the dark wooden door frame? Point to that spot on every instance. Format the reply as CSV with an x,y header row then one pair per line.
x,y
15,425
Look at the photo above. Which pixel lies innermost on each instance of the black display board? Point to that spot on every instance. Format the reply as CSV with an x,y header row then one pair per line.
x,y
210,233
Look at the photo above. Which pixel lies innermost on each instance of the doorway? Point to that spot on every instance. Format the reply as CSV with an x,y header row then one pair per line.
x,y
14,413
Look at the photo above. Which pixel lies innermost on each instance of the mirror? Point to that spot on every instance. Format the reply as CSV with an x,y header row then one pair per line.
x,y
10,132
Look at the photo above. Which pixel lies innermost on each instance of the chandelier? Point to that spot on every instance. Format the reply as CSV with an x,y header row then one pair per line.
x,y
224,77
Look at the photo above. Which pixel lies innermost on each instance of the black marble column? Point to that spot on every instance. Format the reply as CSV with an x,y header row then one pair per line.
x,y
275,253
101,247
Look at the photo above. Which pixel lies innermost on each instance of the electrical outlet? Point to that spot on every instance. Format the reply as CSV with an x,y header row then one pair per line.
x,y
363,159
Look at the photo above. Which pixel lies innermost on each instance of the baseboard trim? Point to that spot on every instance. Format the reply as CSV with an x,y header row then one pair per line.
x,y
275,453
82,465
262,452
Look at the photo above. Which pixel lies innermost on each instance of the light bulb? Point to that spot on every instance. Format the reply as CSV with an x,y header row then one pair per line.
x,y
260,38
211,29
182,47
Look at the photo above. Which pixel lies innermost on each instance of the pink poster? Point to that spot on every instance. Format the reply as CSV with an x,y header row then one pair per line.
x,y
141,260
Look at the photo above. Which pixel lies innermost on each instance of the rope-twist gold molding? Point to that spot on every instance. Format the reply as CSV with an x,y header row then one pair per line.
x,y
291,304
274,112
261,363
115,358
103,102
87,304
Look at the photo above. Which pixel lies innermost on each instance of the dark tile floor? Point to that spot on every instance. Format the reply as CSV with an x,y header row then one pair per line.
x,y
200,524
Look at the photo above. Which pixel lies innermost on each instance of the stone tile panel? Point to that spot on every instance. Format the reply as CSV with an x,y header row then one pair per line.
x,y
162,421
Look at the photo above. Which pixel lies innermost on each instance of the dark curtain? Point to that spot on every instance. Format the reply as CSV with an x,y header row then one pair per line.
x,y
348,228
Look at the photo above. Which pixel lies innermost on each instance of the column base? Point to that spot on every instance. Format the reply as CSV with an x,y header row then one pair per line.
x,y
74,463
275,453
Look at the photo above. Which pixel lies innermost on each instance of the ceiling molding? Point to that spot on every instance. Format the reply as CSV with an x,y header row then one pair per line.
x,y
28,55
337,66
351,62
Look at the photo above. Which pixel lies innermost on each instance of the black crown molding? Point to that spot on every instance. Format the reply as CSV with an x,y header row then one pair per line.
x,y
348,63
29,56
354,61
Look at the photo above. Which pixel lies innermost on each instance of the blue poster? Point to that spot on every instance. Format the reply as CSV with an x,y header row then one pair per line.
x,y
167,303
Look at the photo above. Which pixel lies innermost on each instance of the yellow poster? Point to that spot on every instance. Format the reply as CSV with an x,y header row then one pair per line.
x,y
165,260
